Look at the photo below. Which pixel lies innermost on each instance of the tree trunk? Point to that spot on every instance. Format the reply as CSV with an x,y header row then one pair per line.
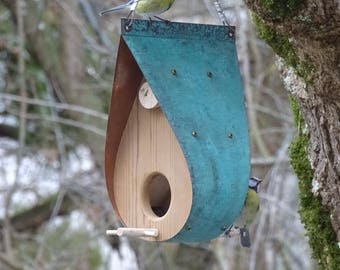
x,y
306,35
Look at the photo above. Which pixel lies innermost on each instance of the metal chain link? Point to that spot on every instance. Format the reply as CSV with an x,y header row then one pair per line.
x,y
222,16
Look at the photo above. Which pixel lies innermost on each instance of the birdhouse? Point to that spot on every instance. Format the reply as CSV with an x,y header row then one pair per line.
x,y
177,151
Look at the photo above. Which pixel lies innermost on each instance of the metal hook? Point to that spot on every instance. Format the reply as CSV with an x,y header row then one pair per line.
x,y
128,25
129,21
223,18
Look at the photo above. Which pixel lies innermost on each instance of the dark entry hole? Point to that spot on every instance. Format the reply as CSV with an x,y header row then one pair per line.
x,y
157,194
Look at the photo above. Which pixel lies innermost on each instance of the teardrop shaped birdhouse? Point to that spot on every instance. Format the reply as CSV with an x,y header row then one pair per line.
x,y
177,149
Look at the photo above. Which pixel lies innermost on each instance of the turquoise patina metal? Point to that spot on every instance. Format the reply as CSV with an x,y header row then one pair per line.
x,y
194,73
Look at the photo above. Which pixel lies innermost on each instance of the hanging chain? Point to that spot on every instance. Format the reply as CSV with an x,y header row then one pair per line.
x,y
223,17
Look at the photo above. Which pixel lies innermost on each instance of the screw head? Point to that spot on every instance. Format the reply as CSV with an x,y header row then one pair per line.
x,y
174,72
209,74
230,135
194,133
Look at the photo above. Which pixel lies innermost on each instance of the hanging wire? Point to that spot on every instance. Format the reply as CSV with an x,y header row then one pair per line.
x,y
223,17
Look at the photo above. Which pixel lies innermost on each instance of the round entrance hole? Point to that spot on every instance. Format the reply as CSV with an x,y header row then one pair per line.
x,y
156,195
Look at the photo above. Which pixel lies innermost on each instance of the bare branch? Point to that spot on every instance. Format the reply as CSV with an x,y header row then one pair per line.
x,y
271,112
101,49
68,122
62,106
32,218
10,263
62,156
22,78
22,125
266,161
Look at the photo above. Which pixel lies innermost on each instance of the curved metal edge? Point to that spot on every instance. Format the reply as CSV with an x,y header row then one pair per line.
x,y
127,80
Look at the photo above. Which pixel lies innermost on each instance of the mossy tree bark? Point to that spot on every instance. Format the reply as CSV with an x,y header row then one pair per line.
x,y
306,35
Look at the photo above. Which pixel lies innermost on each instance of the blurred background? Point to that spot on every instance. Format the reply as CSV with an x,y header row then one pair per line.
x,y
57,61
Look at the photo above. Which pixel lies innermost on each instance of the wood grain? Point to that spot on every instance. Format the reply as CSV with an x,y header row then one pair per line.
x,y
148,147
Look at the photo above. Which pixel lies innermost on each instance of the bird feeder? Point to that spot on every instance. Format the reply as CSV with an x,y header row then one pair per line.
x,y
177,151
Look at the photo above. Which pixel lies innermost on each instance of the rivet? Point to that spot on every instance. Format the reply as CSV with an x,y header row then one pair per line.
x,y
209,74
174,72
230,135
194,133
188,227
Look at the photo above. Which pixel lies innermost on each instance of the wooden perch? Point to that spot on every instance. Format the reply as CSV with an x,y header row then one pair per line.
x,y
134,232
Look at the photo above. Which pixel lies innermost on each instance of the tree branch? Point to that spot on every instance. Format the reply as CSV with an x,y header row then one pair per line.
x,y
10,263
63,62
32,218
63,106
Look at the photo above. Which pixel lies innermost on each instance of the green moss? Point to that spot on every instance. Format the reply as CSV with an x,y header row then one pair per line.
x,y
277,41
298,121
280,9
316,219
282,46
